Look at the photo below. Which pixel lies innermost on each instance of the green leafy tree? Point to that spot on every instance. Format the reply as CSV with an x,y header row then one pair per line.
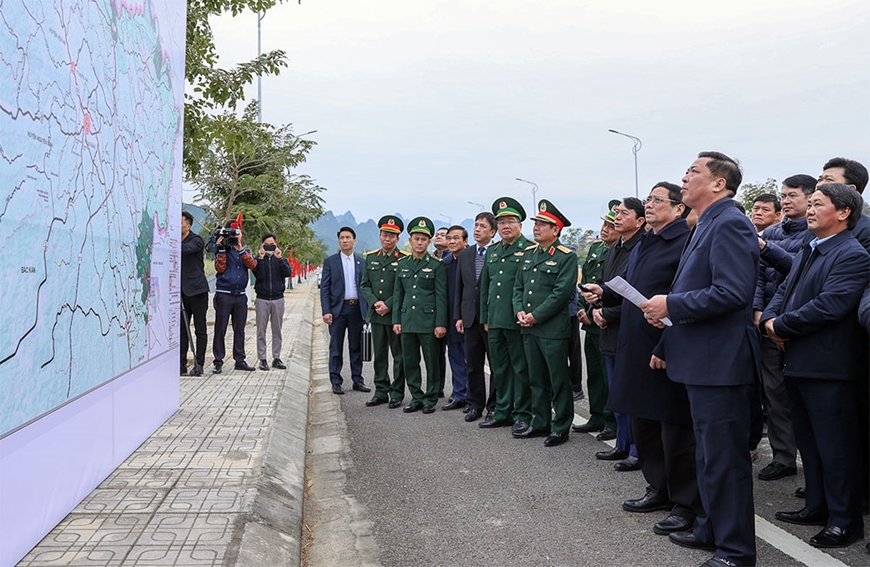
x,y
749,191
248,169
211,89
579,239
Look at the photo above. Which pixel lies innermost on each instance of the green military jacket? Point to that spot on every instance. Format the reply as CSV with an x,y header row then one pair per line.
x,y
544,286
420,294
497,283
378,281
591,272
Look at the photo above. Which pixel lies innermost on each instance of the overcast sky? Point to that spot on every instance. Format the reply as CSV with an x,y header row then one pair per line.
x,y
423,105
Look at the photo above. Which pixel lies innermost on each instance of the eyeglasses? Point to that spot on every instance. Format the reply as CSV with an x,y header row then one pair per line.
x,y
655,199
790,196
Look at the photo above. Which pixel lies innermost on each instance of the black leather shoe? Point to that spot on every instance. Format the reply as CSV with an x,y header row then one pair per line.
x,y
519,426
242,365
627,464
428,409
183,370
672,524
611,455
394,404
653,500
586,428
578,395
473,414
360,387
466,408
606,434
414,406
455,404
554,439
337,389
263,364
776,471
800,492
489,414
375,402
530,432
490,423
279,364
688,539
218,368
197,370
719,562
834,536
803,518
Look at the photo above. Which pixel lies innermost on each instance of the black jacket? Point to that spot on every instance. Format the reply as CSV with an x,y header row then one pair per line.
x,y
614,264
271,273
193,280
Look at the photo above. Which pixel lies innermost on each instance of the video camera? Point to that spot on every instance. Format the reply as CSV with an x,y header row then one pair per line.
x,y
230,236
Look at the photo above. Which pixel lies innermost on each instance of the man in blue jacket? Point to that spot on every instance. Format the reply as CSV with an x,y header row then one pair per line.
x,y
271,272
712,348
232,263
813,319
344,307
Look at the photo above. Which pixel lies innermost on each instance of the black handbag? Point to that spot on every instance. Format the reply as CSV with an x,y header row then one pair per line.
x,y
367,342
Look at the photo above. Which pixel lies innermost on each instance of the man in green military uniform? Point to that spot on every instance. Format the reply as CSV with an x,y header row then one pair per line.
x,y
513,404
600,419
542,290
420,316
377,284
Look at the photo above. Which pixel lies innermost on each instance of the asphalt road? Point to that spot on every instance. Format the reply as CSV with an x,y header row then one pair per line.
x,y
435,490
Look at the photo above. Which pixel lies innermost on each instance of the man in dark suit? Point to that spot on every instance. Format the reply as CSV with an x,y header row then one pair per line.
x,y
344,307
813,318
659,408
457,240
712,348
466,313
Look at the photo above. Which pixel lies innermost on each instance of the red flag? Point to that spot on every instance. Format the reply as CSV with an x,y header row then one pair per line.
x,y
239,220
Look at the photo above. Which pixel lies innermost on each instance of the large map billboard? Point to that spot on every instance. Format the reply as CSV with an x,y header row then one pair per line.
x,y
90,136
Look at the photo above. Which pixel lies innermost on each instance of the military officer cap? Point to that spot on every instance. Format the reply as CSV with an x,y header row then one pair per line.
x,y
421,225
507,206
392,224
547,212
612,204
610,216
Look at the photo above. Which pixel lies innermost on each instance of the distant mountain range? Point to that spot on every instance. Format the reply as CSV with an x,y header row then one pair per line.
x,y
367,232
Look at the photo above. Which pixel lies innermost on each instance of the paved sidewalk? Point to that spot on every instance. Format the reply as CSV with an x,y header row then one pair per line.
x,y
219,484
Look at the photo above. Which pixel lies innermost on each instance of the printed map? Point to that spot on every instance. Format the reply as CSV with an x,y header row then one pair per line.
x,y
91,98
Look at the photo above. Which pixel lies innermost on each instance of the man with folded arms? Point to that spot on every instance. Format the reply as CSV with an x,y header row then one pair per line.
x,y
813,319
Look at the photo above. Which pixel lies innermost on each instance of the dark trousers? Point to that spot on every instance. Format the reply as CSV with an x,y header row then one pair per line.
x,y
349,321
384,341
825,418
227,306
624,438
194,306
511,376
552,403
442,363
476,354
575,355
779,429
417,346
667,456
596,381
456,356
720,416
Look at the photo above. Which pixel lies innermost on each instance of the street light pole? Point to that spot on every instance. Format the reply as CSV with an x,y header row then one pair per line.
x,y
534,192
260,16
634,149
482,208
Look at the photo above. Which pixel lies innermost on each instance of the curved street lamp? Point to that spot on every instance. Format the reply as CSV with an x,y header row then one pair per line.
x,y
634,149
482,208
534,192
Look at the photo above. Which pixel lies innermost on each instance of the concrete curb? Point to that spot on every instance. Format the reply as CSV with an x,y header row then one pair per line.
x,y
271,533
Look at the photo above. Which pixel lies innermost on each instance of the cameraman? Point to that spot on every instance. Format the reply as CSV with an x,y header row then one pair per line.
x,y
232,263
194,295
271,271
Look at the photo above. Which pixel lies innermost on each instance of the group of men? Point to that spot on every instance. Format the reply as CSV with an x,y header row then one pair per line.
x,y
737,317
233,266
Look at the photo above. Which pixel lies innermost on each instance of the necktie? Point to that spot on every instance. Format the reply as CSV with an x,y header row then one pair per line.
x,y
478,261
